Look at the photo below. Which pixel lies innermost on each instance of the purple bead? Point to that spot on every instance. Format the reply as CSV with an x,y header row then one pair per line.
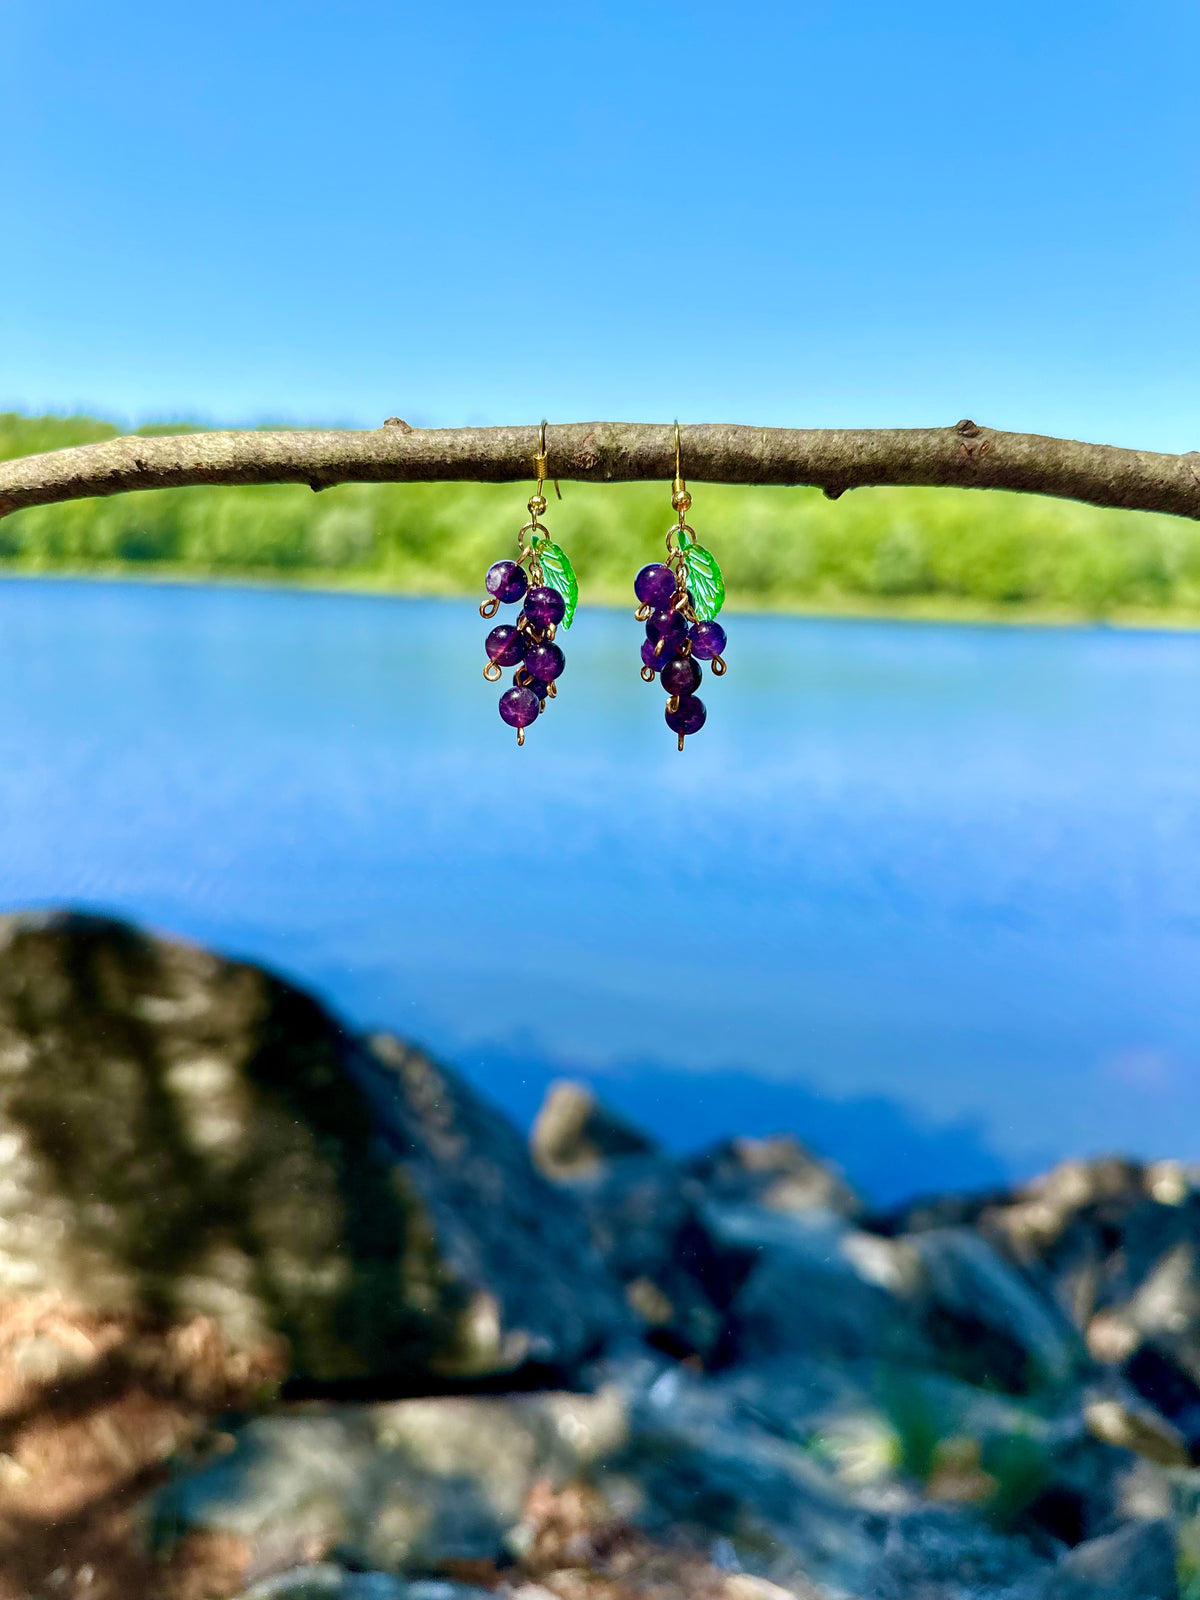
x,y
656,660
654,585
506,580
668,626
519,707
708,640
505,645
681,675
540,689
544,607
690,716
545,661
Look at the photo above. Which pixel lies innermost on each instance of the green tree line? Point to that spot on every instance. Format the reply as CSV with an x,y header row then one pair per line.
x,y
915,551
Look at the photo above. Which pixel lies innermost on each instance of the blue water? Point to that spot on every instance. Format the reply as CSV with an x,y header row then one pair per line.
x,y
929,894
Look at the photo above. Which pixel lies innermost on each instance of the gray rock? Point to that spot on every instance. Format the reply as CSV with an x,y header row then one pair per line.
x,y
645,1213
995,1324
778,1173
185,1136
1135,1563
575,1136
649,1227
405,1486
820,1287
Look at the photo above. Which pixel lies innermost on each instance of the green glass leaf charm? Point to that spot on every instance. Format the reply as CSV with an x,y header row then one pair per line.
x,y
559,574
705,581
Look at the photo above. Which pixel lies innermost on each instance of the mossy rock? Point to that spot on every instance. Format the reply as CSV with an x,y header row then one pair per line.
x,y
185,1136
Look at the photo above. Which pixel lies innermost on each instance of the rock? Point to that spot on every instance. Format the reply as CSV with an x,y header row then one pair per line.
x,y
518,1250
525,1493
404,1486
1141,1429
819,1287
575,1136
778,1173
649,1227
990,1322
646,1220
1111,1237
1135,1563
190,1137
208,1188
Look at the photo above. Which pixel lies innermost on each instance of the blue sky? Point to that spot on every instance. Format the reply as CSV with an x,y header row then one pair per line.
x,y
808,214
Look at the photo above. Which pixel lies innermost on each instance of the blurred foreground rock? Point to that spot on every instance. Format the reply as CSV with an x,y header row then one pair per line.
x,y
208,1188
288,1314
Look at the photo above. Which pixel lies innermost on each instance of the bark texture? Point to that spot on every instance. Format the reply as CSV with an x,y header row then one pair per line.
x,y
835,459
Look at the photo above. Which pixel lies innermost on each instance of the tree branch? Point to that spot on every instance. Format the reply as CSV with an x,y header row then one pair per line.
x,y
835,459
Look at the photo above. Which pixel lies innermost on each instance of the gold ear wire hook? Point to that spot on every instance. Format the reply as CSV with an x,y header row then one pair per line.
x,y
680,498
541,463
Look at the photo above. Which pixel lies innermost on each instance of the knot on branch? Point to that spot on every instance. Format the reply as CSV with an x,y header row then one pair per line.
x,y
396,422
966,429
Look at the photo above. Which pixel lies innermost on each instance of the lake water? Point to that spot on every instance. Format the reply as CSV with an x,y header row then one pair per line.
x,y
928,894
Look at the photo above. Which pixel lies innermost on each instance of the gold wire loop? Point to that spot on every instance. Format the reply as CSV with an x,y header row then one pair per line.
x,y
648,674
492,672
717,667
490,607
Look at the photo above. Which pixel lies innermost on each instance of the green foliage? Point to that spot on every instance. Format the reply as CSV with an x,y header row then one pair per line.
x,y
915,551
1021,1467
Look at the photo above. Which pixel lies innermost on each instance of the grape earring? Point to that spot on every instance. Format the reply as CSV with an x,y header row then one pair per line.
x,y
549,592
678,600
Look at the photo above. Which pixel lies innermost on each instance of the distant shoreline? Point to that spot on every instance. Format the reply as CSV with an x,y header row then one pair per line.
x,y
847,608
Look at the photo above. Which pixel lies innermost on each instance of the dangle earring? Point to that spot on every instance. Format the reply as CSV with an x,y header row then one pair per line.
x,y
549,593
678,600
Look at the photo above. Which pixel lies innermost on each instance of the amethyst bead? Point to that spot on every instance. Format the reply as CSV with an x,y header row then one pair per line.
x,y
537,687
689,718
654,585
545,661
519,707
544,607
669,627
681,675
505,645
708,640
506,580
653,658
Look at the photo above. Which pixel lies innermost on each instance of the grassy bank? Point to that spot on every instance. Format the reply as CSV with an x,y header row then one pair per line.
x,y
923,552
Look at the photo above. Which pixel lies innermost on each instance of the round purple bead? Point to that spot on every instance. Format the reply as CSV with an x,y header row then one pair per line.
x,y
708,640
669,627
539,688
545,661
505,645
519,707
689,718
544,607
656,661
507,581
654,585
681,675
